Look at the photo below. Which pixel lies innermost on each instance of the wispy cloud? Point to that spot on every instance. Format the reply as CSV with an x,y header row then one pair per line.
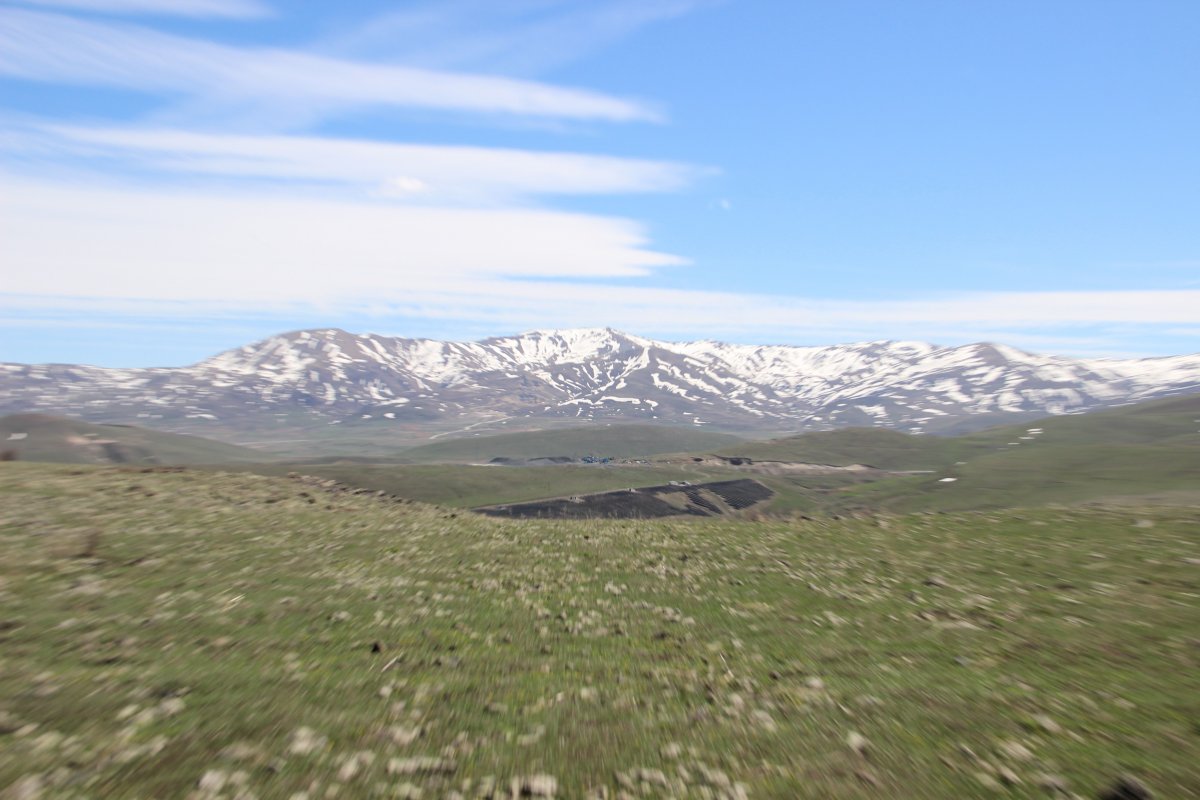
x,y
523,37
103,250
697,313
426,174
225,82
269,247
490,306
237,9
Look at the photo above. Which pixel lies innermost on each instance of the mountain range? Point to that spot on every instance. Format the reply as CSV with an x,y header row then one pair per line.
x,y
420,387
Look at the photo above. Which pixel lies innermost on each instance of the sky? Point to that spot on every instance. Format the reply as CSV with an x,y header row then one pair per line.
x,y
179,177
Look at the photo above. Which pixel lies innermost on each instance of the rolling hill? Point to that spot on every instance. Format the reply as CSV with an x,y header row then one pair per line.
x,y
41,437
616,441
876,447
1148,452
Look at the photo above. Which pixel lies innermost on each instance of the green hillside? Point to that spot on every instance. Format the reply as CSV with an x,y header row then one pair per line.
x,y
617,441
41,437
1166,421
877,447
464,486
1148,452
1047,474
214,635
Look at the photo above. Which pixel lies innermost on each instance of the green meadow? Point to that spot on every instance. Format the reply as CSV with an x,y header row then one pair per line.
x,y
205,634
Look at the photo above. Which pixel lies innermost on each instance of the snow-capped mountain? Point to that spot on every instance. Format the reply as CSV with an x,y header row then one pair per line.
x,y
332,377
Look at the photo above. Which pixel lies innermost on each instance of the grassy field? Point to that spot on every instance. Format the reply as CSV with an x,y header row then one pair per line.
x,y
616,441
199,634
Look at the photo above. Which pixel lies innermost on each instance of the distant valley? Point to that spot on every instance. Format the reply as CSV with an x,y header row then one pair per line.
x,y
1145,453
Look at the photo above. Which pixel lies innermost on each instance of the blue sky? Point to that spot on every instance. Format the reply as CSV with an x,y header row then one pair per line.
x,y
183,176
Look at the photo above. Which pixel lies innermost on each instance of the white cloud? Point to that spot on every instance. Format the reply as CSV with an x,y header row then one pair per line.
x,y
104,250
272,249
426,173
223,81
510,37
238,9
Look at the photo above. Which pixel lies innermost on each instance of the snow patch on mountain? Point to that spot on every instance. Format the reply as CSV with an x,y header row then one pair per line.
x,y
330,375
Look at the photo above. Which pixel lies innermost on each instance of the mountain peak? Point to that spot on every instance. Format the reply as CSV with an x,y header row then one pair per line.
x,y
328,376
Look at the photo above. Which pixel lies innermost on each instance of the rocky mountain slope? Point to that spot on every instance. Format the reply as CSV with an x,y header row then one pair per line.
x,y
331,377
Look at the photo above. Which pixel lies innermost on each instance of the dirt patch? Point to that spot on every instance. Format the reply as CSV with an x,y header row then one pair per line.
x,y
536,461
701,500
